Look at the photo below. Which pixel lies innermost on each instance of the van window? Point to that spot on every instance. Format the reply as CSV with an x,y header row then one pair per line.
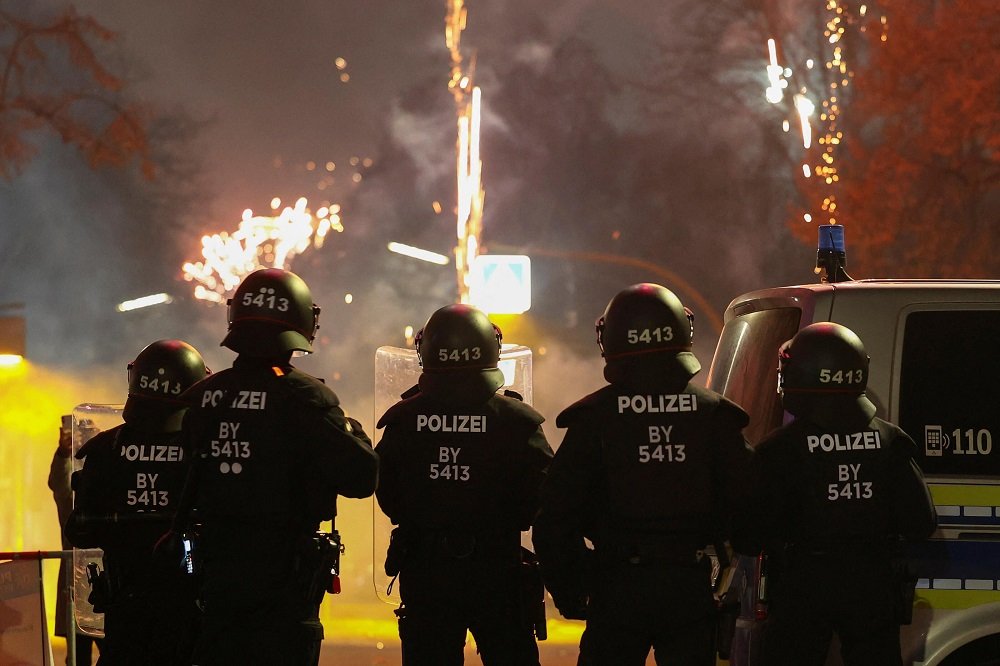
x,y
745,367
949,399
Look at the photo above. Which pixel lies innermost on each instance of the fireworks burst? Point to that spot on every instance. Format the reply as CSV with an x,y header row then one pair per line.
x,y
826,83
259,242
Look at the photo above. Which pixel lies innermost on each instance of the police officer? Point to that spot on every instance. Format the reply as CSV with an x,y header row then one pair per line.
x,y
273,449
838,487
649,471
461,467
126,494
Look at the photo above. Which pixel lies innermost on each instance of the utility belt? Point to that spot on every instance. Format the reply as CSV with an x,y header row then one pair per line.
x,y
805,554
436,547
901,576
131,574
110,587
432,546
670,553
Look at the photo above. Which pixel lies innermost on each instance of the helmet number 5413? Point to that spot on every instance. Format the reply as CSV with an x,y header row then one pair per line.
x,y
270,302
828,376
157,384
466,354
661,334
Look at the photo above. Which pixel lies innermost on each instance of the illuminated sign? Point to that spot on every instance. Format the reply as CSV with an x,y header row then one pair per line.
x,y
501,283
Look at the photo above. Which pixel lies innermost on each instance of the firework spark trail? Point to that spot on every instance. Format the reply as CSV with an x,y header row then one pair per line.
x,y
835,76
470,194
259,242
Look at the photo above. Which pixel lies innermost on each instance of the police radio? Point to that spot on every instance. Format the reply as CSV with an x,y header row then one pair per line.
x,y
322,559
188,559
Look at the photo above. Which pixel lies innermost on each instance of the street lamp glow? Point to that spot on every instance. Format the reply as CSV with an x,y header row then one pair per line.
x,y
10,360
417,253
144,302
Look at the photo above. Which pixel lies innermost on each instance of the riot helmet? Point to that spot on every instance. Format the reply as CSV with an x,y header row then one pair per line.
x,y
458,337
163,370
647,318
272,313
823,375
823,358
459,350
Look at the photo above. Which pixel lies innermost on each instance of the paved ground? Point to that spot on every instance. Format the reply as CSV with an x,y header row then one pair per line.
x,y
334,655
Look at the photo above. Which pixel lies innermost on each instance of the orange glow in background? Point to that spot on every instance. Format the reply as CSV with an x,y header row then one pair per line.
x,y
34,399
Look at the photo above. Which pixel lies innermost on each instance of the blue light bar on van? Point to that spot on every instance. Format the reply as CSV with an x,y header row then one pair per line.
x,y
831,237
831,255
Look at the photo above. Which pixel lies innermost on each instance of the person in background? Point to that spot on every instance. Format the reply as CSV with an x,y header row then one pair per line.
x,y
126,496
461,467
60,472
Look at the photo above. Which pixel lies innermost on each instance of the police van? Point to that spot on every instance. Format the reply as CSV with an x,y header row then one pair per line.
x,y
935,371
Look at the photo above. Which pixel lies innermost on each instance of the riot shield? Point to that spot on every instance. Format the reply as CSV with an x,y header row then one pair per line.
x,y
396,370
88,420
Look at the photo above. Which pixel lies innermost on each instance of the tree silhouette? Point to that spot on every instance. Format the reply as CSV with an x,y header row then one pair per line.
x,y
914,130
52,78
922,185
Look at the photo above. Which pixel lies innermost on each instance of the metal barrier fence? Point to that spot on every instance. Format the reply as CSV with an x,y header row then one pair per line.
x,y
67,587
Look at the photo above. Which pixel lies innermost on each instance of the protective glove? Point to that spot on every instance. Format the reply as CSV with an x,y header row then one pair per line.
x,y
354,427
572,606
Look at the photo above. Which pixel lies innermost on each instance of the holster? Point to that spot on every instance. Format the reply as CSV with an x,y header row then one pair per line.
x,y
396,553
100,588
532,591
904,582
728,611
727,600
320,564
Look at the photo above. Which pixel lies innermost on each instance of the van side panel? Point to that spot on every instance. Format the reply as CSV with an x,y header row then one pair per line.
x,y
958,595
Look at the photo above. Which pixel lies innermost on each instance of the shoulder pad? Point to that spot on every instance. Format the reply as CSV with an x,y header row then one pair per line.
x,y
720,407
396,413
513,394
105,438
730,411
579,409
192,395
894,437
410,392
307,389
519,409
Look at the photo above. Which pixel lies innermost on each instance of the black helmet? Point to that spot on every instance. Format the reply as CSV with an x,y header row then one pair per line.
x,y
458,337
272,312
459,350
164,370
647,318
823,358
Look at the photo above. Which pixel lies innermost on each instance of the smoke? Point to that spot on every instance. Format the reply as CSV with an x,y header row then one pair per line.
x,y
578,155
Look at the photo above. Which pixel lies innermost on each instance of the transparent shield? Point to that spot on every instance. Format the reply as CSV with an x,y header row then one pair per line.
x,y
396,370
88,420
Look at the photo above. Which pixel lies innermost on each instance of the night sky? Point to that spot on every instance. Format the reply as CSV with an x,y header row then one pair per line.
x,y
244,96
